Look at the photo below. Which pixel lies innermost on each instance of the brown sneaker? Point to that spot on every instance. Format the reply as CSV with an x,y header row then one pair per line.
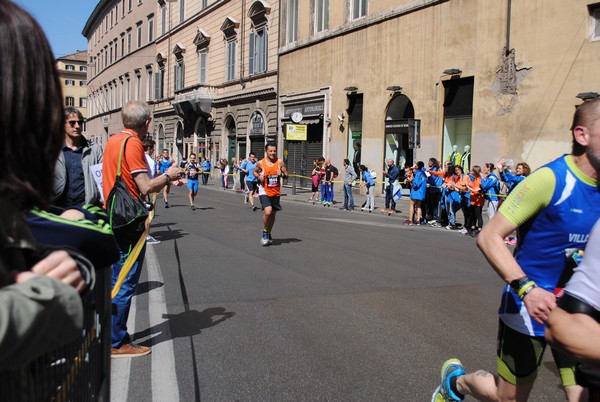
x,y
129,350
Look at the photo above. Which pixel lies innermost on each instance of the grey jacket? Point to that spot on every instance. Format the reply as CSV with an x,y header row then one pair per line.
x,y
350,175
92,155
38,315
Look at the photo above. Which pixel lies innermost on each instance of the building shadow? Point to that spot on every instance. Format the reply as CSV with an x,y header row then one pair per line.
x,y
184,324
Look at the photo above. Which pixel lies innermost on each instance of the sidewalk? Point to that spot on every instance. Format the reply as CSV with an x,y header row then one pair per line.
x,y
303,194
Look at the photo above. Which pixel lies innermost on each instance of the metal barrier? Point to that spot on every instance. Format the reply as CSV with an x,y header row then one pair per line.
x,y
78,371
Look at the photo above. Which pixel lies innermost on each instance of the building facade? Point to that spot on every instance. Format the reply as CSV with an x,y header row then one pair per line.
x,y
207,68
216,77
411,79
72,70
121,38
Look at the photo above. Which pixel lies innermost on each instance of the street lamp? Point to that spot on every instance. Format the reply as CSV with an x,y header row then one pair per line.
x,y
394,88
452,71
586,96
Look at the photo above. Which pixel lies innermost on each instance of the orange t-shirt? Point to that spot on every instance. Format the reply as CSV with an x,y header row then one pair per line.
x,y
134,161
271,182
477,198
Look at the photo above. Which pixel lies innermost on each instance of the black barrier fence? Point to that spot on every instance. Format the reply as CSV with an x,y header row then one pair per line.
x,y
78,371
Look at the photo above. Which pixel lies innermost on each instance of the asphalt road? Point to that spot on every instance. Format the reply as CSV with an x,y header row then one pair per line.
x,y
344,306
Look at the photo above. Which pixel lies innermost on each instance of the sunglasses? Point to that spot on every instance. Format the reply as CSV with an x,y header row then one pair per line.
x,y
72,122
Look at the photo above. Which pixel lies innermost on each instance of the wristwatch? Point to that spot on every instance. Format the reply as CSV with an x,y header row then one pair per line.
x,y
517,284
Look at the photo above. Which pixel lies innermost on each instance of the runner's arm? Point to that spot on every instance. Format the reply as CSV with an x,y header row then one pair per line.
x,y
528,199
284,171
257,172
564,332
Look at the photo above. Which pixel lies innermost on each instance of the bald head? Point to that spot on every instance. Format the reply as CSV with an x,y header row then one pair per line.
x,y
135,114
586,115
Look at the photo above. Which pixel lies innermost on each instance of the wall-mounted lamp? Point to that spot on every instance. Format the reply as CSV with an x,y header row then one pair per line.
x,y
394,88
351,89
452,71
586,96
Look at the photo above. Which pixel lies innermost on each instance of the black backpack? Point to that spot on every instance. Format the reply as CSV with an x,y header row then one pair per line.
x,y
127,215
335,172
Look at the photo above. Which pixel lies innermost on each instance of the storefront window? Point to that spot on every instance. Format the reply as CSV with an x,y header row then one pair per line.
x,y
355,118
458,120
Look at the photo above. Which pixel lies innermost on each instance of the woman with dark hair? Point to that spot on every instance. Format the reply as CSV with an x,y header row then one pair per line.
x,y
450,202
491,187
434,191
477,201
40,307
522,170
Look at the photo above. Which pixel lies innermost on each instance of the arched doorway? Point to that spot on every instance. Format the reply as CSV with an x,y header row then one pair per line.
x,y
399,129
178,142
230,129
160,140
257,134
202,139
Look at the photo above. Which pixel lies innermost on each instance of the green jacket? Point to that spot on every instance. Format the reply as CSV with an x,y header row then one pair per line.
x,y
38,315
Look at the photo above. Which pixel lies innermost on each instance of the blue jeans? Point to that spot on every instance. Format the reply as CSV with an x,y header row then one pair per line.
x,y
452,208
329,193
348,197
122,300
389,198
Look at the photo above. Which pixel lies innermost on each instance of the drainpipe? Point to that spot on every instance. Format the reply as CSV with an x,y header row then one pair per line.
x,y
243,41
508,18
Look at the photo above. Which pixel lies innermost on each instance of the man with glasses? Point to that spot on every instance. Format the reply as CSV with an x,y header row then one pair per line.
x,y
74,184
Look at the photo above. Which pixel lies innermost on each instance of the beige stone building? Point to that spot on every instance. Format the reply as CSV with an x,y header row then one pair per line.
x,y
72,70
208,68
121,52
410,79
216,69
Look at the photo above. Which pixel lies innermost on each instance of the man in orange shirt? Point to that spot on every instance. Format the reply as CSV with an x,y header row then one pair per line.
x,y
136,119
269,171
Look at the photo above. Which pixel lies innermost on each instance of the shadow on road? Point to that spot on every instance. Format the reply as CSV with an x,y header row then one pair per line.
x,y
278,242
145,287
170,234
184,324
157,225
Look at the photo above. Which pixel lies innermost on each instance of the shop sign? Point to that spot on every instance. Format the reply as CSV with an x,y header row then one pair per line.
x,y
295,132
308,109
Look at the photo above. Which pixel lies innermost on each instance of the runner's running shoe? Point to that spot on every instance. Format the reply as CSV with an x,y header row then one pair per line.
x,y
264,240
443,393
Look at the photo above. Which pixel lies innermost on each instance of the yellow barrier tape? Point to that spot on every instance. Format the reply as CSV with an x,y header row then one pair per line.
x,y
133,255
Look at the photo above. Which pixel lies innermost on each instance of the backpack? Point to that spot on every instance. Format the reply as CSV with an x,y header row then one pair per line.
x,y
373,174
126,214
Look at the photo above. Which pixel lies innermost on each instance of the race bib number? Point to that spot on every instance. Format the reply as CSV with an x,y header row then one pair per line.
x,y
272,181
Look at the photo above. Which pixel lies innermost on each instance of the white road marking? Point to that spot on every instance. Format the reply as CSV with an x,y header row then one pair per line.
x,y
121,368
164,377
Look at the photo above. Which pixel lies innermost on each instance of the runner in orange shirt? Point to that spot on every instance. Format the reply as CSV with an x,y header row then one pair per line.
x,y
269,171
